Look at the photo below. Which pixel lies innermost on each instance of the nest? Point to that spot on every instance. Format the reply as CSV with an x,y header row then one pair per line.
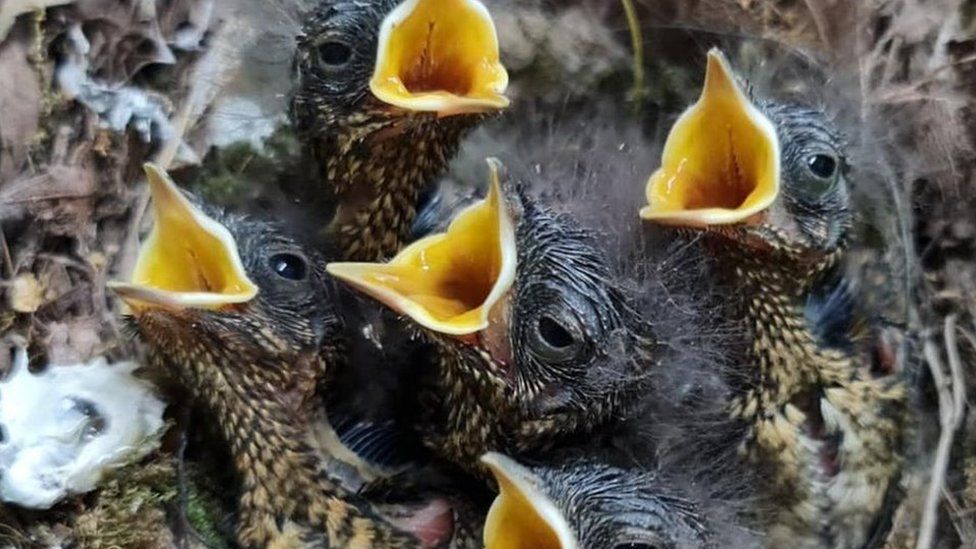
x,y
93,89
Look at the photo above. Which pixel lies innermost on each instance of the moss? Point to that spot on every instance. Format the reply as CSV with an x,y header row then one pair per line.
x,y
205,515
131,509
239,174
139,505
52,100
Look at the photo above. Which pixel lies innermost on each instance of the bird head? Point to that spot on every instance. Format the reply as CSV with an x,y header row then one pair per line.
x,y
518,298
211,290
377,68
584,503
768,176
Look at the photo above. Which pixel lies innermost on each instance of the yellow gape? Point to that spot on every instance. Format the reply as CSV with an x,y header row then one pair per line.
x,y
447,282
188,260
440,56
720,163
521,517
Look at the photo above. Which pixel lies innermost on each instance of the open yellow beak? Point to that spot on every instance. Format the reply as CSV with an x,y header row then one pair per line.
x,y
189,260
440,56
521,517
447,282
721,160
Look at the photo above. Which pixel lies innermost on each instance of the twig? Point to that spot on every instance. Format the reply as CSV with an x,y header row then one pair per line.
x,y
904,94
820,22
951,391
638,92
8,263
963,529
130,248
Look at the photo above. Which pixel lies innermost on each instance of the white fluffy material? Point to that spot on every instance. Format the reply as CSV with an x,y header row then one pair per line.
x,y
65,427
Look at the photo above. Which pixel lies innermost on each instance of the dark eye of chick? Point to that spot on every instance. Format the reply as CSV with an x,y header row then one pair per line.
x,y
554,334
822,165
551,340
333,54
289,266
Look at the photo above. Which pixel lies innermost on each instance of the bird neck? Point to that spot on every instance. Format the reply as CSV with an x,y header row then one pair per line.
x,y
827,426
476,408
264,431
378,173
463,419
284,498
784,351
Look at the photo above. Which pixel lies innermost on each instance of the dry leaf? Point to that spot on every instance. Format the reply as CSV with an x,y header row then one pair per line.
x,y
20,104
26,294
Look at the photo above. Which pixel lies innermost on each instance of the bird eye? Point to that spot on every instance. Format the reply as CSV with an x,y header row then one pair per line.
x,y
332,54
822,165
553,334
289,266
552,340
824,172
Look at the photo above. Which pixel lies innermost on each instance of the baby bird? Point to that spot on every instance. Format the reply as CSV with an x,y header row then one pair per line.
x,y
243,317
766,185
583,503
385,93
528,324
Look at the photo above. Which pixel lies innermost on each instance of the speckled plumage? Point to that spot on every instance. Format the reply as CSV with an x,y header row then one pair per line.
x,y
254,367
828,423
825,419
506,388
375,158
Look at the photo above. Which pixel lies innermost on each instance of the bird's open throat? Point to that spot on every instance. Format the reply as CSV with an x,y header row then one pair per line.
x,y
196,276
726,175
447,282
722,185
190,267
432,70
188,260
440,56
720,163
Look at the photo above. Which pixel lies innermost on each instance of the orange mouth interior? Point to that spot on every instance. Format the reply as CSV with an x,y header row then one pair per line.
x,y
522,517
447,282
188,260
720,163
440,56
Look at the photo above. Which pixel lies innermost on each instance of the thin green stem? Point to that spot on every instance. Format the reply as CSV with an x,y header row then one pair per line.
x,y
638,92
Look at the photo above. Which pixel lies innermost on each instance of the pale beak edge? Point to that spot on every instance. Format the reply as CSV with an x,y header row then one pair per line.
x,y
521,516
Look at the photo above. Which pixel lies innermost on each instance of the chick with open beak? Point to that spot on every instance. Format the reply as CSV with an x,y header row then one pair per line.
x,y
386,91
523,311
580,503
243,317
766,183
